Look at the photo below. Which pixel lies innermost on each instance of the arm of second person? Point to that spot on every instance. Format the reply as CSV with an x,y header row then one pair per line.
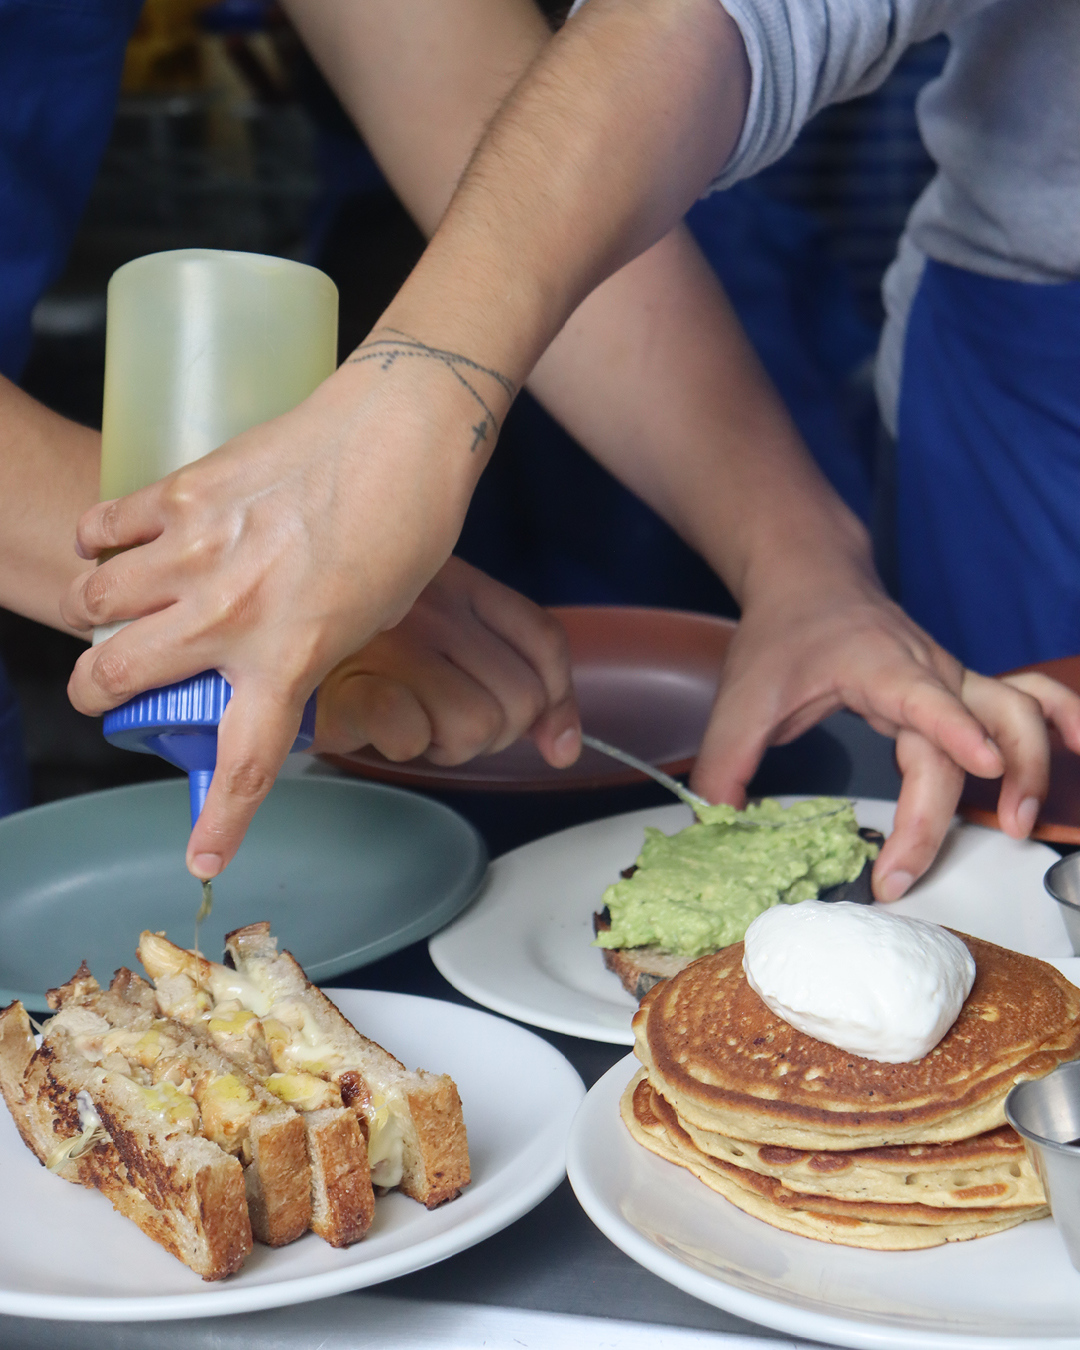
x,y
653,374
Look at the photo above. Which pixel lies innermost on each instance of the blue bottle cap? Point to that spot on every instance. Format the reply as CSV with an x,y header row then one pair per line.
x,y
180,722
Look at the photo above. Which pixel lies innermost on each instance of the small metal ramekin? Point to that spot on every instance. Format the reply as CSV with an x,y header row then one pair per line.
x,y
1045,1113
1062,882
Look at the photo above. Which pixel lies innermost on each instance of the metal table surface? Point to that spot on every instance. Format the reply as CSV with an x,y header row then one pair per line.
x,y
569,1284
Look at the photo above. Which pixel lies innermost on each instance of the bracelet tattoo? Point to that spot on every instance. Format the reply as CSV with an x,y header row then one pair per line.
x,y
388,350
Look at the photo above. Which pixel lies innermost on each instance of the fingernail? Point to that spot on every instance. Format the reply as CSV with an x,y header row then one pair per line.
x,y
894,886
206,865
1026,813
567,746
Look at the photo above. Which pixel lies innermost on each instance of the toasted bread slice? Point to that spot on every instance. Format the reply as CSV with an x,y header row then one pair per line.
x,y
421,1110
639,968
235,1111
182,1190
343,1201
16,1051
342,1197
412,1120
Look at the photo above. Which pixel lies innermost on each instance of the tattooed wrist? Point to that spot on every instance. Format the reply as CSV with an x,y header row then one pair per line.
x,y
387,351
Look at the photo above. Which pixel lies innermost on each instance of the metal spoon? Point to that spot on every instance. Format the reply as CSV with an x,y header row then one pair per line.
x,y
692,799
650,770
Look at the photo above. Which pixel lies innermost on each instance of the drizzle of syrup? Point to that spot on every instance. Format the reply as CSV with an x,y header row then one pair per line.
x,y
204,910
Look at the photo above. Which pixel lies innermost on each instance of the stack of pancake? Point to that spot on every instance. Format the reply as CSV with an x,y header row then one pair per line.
x,y
829,1145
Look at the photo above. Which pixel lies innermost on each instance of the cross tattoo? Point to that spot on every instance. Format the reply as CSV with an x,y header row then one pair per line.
x,y
386,351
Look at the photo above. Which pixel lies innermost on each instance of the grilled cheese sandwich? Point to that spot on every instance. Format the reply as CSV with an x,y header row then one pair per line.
x,y
263,1006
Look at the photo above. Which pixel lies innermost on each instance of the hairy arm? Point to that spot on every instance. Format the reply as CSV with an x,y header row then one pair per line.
x,y
654,375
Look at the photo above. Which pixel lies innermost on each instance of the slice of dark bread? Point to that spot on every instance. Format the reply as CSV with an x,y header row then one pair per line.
x,y
639,968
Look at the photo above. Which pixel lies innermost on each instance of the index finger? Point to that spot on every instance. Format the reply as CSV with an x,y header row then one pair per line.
x,y
256,732
537,636
924,811
121,523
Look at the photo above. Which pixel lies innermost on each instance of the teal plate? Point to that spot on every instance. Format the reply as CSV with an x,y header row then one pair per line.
x,y
345,871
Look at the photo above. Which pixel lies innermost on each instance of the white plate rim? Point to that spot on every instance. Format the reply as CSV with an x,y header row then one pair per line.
x,y
450,952
541,1177
602,1100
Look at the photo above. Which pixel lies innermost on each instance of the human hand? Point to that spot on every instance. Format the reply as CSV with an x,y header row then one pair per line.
x,y
800,657
471,668
277,555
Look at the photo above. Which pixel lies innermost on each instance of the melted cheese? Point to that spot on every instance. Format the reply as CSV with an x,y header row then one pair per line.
x,y
304,1091
172,1106
386,1141
228,1107
305,1058
226,985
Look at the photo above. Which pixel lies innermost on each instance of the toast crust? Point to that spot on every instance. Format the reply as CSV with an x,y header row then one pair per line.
x,y
182,1191
277,1175
435,1146
638,968
344,1201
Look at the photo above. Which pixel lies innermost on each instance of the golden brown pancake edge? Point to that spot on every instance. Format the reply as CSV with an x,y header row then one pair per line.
x,y
726,1063
884,1227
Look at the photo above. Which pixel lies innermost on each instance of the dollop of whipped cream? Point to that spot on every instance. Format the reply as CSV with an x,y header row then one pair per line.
x,y
879,985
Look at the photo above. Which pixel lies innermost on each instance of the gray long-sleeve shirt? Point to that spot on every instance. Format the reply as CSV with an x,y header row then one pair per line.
x,y
1002,124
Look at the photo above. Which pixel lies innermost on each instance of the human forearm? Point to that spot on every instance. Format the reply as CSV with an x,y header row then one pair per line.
x,y
48,477
652,373
656,376
615,129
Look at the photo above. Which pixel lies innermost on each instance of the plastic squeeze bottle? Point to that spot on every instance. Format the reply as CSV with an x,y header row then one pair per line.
x,y
200,345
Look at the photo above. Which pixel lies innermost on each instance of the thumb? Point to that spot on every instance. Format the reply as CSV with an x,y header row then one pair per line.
x,y
735,740
557,733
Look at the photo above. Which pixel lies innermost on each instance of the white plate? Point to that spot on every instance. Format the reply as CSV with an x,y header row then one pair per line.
x,y
1011,1291
524,947
65,1253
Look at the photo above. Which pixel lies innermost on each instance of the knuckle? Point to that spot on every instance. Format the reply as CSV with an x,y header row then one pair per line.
x,y
202,551
106,527
96,595
181,492
111,674
248,780
391,704
470,732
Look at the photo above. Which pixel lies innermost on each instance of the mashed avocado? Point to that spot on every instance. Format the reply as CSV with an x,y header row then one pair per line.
x,y
698,890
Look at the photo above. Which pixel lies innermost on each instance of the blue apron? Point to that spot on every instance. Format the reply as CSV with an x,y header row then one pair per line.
x,y
14,775
60,63
988,467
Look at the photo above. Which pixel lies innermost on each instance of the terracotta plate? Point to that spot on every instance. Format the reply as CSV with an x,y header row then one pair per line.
x,y
645,680
1059,820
